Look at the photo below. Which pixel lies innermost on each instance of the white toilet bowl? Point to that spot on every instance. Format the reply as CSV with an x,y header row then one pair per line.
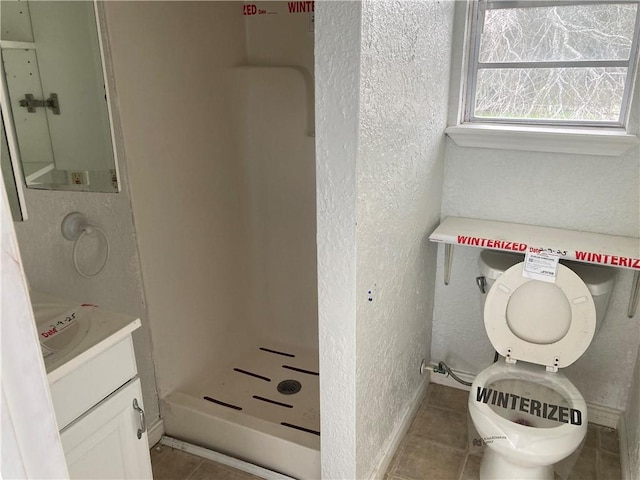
x,y
529,415
508,405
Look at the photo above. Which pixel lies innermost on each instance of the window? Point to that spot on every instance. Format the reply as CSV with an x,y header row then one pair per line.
x,y
569,63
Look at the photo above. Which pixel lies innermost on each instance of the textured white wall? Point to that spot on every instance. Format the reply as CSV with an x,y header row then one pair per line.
x,y
398,71
590,193
170,60
403,112
337,69
577,192
47,259
550,190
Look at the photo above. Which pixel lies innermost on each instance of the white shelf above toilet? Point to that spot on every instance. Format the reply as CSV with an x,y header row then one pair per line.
x,y
586,247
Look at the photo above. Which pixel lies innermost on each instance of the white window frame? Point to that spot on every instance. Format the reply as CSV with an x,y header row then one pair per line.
x,y
591,138
480,9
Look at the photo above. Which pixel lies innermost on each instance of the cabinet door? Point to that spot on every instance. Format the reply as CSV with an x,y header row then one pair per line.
x,y
104,443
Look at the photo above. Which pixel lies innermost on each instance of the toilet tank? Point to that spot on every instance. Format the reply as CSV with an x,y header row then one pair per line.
x,y
598,279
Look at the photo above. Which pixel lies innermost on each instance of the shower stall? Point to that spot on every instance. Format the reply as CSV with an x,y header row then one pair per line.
x,y
216,104
259,400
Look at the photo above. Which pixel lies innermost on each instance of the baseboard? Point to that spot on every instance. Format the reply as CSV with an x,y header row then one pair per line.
x,y
625,466
605,416
155,432
399,433
223,459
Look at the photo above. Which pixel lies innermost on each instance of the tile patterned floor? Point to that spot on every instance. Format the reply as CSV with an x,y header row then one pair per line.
x,y
434,448
171,464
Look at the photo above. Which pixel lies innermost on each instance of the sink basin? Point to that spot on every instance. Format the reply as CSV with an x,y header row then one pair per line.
x,y
61,324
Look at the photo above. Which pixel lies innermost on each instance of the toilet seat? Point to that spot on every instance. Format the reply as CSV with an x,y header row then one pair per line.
x,y
550,324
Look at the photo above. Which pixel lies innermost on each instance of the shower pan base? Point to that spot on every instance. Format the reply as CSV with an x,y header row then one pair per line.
x,y
239,410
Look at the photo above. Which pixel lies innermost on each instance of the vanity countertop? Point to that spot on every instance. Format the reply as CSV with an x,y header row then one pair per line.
x,y
106,329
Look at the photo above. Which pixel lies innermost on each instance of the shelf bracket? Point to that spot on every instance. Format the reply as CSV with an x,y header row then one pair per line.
x,y
635,293
448,259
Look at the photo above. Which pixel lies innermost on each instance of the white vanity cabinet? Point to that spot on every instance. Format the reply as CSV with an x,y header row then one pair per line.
x,y
98,403
104,442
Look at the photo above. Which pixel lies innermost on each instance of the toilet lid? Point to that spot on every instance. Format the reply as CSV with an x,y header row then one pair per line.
x,y
549,324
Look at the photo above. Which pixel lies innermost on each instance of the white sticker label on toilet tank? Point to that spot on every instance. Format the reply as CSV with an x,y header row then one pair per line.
x,y
540,266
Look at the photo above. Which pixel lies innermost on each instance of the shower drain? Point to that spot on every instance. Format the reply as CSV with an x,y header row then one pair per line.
x,y
289,387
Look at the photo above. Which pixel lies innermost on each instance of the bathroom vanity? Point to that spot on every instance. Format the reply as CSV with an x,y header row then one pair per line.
x,y
97,396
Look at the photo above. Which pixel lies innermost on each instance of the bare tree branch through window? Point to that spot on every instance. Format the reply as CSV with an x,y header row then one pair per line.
x,y
540,62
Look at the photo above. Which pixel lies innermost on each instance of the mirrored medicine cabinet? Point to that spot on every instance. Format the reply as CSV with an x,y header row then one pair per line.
x,y
55,101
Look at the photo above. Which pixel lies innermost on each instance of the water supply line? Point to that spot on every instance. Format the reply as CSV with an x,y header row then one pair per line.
x,y
443,369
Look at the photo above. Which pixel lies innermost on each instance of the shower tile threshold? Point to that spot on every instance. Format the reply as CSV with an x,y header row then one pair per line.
x,y
238,409
434,448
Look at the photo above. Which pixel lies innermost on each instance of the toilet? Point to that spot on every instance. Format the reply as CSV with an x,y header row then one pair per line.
x,y
529,415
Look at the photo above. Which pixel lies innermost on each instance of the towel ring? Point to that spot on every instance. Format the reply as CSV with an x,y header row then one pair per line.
x,y
75,227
